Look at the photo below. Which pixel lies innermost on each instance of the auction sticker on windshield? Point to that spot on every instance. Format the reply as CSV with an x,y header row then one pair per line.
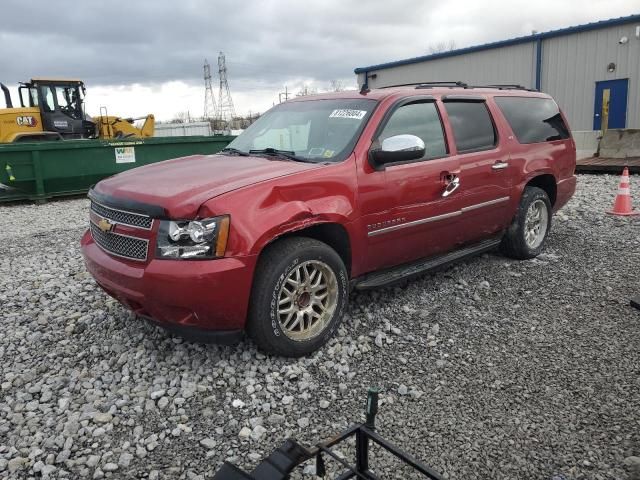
x,y
347,113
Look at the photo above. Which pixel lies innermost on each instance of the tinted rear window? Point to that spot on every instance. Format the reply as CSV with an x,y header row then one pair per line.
x,y
472,126
533,120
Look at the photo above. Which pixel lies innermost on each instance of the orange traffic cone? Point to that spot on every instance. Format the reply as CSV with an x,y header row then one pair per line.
x,y
622,205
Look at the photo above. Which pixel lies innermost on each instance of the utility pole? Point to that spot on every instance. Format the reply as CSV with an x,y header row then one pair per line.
x,y
284,94
210,109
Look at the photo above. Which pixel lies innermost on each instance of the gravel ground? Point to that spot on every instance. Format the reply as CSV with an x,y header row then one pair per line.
x,y
491,369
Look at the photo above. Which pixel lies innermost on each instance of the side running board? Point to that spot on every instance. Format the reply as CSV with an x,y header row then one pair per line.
x,y
408,270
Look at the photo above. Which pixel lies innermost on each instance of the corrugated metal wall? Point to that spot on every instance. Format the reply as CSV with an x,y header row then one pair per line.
x,y
572,64
183,129
514,64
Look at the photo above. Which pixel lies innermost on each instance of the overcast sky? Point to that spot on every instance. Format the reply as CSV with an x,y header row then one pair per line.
x,y
146,56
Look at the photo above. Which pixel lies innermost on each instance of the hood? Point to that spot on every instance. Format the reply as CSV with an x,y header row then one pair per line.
x,y
182,185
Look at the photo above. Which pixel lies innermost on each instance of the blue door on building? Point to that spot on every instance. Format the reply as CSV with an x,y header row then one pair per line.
x,y
610,104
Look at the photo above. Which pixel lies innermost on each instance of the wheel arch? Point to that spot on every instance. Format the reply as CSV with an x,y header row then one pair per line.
x,y
546,182
335,235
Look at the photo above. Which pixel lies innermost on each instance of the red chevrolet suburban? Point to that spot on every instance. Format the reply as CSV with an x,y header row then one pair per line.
x,y
324,194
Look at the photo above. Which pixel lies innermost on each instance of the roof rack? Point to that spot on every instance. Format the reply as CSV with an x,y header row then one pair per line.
x,y
430,84
515,86
509,86
459,84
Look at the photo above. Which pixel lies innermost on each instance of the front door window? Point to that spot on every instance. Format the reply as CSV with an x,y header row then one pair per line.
x,y
421,120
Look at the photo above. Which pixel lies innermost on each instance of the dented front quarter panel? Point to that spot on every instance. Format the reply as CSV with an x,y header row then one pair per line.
x,y
262,212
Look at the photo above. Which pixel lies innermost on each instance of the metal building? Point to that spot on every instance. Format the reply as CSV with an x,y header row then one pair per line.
x,y
592,70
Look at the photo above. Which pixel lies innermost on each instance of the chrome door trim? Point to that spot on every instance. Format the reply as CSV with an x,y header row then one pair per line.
x,y
484,204
414,223
436,218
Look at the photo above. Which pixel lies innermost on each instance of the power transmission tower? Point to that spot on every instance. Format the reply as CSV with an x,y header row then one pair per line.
x,y
226,111
210,110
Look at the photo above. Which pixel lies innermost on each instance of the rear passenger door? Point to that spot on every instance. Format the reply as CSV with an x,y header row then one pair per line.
x,y
485,180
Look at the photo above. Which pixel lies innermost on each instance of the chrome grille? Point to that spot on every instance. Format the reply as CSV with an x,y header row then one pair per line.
x,y
120,216
120,245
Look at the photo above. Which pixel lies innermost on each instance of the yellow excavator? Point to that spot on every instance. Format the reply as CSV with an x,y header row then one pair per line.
x,y
54,110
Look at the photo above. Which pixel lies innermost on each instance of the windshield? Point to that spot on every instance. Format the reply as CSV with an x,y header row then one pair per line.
x,y
313,130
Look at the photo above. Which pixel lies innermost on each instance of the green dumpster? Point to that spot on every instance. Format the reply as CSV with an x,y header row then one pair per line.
x,y
37,171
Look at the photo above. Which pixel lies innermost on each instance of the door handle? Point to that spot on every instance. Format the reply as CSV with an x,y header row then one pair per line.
x,y
500,165
452,186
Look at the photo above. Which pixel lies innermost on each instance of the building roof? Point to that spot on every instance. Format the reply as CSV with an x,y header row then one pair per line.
x,y
506,43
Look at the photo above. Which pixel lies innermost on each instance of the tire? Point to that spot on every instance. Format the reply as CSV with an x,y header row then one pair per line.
x,y
295,321
517,241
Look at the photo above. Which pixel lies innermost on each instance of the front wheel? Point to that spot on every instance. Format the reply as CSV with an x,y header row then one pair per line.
x,y
298,299
528,232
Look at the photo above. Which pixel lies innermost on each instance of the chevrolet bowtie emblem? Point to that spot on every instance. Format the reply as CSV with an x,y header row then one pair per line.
x,y
105,225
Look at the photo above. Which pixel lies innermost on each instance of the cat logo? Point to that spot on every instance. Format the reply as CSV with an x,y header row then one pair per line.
x,y
26,121
105,225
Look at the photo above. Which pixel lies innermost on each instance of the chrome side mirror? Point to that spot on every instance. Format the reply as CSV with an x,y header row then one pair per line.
x,y
403,143
398,148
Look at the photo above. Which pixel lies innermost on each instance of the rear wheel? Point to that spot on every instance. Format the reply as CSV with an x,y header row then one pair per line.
x,y
528,232
298,299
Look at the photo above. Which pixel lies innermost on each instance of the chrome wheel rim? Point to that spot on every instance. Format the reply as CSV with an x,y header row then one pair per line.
x,y
536,222
307,300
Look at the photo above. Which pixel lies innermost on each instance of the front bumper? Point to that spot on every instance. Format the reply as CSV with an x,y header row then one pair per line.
x,y
203,299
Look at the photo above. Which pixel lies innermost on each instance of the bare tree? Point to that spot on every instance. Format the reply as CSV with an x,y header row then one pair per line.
x,y
441,47
241,122
181,117
306,90
336,86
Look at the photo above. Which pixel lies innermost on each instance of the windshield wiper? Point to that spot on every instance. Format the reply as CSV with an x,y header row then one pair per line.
x,y
235,151
291,155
